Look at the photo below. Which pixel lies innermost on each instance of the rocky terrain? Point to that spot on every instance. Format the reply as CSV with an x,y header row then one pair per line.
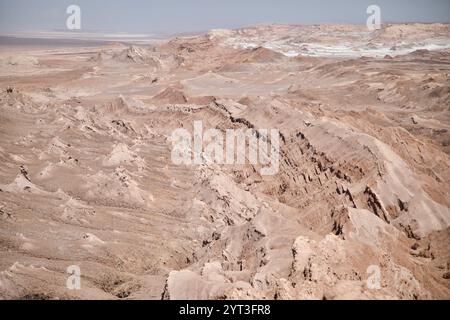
x,y
87,178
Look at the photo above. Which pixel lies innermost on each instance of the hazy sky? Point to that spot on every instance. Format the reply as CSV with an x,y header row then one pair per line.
x,y
171,16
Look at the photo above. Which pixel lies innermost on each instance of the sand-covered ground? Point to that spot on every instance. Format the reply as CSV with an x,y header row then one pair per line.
x,y
87,177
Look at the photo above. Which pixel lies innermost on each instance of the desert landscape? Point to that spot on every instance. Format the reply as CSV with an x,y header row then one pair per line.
x,y
361,191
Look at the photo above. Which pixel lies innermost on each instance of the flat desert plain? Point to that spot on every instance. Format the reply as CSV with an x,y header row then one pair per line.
x,y
357,208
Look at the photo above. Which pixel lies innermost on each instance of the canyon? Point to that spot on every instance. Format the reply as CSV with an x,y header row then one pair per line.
x,y
87,177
